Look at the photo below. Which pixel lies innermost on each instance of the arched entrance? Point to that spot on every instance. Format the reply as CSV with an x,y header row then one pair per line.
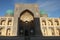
x,y
26,24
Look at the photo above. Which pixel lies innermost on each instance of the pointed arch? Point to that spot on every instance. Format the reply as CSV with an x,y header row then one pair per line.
x,y
26,15
27,11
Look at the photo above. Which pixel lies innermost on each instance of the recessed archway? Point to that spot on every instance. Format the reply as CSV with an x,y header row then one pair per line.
x,y
26,23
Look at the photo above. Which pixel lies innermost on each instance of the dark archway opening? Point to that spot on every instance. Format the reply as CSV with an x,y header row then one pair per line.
x,y
26,24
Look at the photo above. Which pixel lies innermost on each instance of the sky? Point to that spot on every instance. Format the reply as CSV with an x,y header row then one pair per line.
x,y
51,7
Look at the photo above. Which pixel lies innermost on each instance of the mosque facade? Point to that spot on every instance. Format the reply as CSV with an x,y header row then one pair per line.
x,y
28,20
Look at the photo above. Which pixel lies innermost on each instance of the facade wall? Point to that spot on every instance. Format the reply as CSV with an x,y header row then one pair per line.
x,y
6,26
50,26
19,8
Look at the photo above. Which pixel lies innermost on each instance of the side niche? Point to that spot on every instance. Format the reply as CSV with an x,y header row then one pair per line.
x,y
51,31
44,31
3,22
8,32
43,22
2,30
56,22
50,22
9,22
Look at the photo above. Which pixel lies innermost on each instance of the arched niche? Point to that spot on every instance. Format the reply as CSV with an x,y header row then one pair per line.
x,y
43,22
8,31
50,22
3,22
51,31
2,29
44,31
57,31
9,22
56,22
